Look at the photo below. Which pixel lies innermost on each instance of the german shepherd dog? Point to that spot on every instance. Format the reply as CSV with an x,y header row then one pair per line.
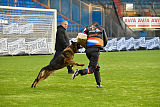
x,y
64,59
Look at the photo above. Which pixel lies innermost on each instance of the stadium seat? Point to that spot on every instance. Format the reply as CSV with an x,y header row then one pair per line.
x,y
2,12
59,16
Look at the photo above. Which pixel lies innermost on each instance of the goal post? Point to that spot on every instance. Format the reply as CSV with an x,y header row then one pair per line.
x,y
27,30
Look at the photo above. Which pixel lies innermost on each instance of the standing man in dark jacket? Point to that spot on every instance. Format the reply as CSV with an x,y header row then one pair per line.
x,y
96,40
62,42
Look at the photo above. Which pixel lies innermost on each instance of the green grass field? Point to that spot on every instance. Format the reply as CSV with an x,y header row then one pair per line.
x,y
129,79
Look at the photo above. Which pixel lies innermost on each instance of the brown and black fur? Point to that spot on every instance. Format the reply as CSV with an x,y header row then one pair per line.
x,y
64,59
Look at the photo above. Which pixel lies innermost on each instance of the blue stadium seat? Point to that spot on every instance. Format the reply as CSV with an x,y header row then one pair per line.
x,y
2,12
59,20
136,5
59,16
70,23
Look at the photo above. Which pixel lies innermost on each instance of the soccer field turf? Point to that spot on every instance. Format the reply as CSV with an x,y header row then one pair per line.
x,y
129,79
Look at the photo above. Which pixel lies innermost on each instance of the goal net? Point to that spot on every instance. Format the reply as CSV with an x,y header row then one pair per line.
x,y
27,30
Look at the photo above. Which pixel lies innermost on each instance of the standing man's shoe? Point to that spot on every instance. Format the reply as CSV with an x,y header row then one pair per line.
x,y
99,86
71,72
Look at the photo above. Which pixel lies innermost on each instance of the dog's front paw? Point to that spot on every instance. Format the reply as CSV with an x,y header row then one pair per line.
x,y
80,64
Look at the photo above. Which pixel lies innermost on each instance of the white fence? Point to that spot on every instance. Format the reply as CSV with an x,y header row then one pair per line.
x,y
123,43
24,46
119,44
37,46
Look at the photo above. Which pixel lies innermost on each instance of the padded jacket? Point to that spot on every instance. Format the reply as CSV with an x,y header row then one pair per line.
x,y
96,36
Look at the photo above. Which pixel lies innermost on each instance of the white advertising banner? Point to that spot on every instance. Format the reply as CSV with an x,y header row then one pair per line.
x,y
3,45
142,22
41,46
153,43
142,42
50,44
149,43
136,43
36,46
159,43
121,44
111,45
156,42
129,43
15,28
26,28
17,46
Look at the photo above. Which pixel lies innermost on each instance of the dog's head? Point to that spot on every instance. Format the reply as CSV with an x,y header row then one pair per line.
x,y
75,46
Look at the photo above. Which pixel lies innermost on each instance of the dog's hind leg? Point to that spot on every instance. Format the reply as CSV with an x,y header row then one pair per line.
x,y
41,76
33,83
38,78
44,75
38,82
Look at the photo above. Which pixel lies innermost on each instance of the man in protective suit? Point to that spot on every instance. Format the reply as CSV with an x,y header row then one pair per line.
x,y
96,40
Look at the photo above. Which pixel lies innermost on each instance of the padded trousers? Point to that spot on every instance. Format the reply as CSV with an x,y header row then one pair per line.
x,y
93,67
